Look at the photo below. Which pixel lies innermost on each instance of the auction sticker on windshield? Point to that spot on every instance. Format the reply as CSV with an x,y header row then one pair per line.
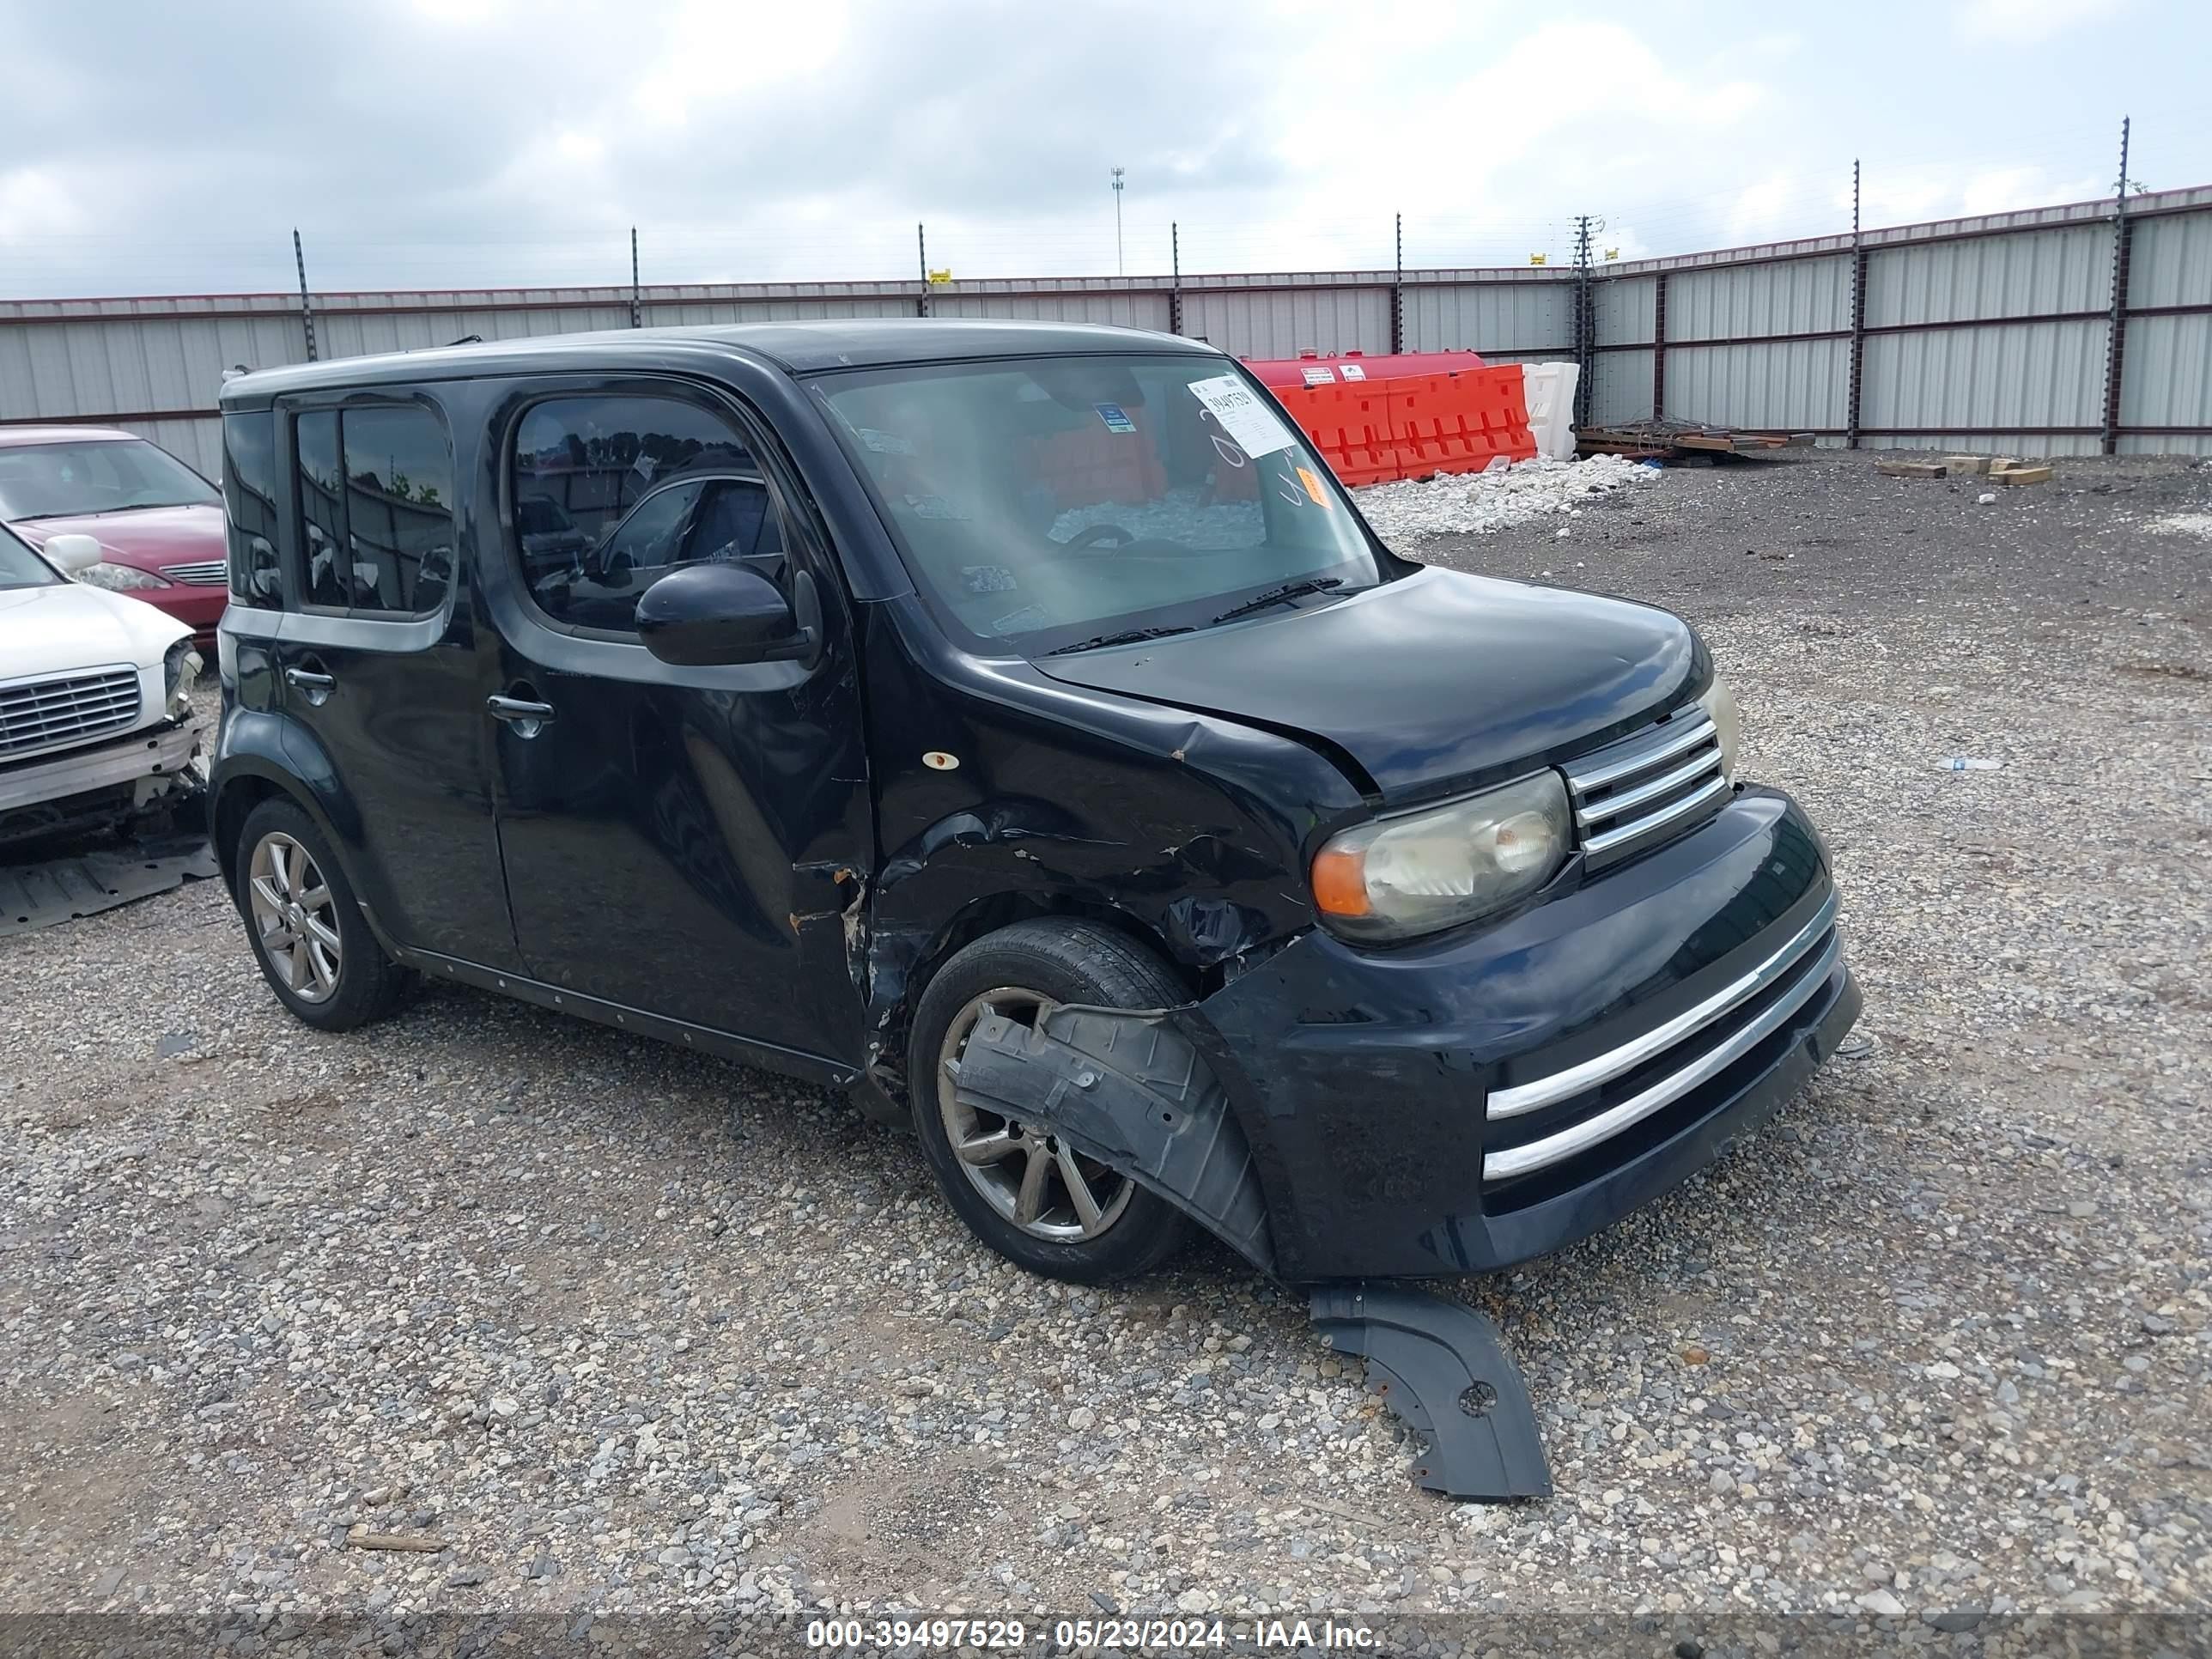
x,y
1242,416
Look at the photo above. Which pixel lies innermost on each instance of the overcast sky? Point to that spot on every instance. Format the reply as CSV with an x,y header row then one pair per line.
x,y
150,146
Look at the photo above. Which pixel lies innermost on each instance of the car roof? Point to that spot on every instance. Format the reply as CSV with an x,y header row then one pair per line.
x,y
804,348
14,437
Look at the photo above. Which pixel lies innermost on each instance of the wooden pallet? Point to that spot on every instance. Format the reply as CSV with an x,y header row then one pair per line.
x,y
1660,441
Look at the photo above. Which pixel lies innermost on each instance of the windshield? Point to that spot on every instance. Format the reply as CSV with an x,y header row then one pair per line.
x,y
101,475
1053,502
20,567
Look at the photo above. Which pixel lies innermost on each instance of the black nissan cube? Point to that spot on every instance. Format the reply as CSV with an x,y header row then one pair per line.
x,y
1017,726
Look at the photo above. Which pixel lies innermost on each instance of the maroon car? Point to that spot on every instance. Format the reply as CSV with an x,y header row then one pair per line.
x,y
158,524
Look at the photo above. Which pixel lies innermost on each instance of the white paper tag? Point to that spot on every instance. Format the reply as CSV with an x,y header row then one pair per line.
x,y
1251,424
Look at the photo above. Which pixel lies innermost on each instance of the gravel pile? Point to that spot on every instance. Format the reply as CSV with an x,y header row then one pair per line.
x,y
616,1329
1479,503
1178,516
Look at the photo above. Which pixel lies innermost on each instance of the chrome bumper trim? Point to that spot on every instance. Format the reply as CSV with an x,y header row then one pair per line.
x,y
1603,1068
1580,1137
128,759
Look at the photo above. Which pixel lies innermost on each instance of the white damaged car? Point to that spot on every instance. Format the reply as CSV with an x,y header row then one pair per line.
x,y
96,722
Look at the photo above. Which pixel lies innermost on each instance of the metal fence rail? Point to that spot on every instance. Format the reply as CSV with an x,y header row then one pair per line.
x,y
2057,331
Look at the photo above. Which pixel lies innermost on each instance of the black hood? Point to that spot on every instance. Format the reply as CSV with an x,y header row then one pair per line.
x,y
1428,682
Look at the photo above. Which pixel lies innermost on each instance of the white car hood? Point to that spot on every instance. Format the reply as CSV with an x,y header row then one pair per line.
x,y
68,626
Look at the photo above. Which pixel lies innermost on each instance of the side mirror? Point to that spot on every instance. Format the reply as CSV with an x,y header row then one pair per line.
x,y
705,615
71,553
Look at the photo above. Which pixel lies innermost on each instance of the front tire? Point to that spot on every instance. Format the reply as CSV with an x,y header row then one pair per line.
x,y
1033,1199
313,943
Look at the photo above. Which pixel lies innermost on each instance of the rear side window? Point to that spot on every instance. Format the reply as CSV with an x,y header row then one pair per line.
x,y
376,518
612,493
249,499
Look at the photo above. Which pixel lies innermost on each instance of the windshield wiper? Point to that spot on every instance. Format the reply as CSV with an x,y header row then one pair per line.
x,y
1278,595
1127,637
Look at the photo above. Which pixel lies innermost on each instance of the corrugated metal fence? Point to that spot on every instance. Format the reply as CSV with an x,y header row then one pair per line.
x,y
1996,332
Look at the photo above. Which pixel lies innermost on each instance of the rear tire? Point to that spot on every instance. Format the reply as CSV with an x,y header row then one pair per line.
x,y
1117,1230
313,945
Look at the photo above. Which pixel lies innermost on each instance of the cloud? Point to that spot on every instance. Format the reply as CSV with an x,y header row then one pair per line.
x,y
497,142
2006,190
2026,22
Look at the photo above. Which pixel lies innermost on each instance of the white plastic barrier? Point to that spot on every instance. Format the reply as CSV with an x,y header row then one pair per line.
x,y
1549,390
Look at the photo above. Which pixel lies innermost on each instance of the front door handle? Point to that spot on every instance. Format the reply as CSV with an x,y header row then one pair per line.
x,y
315,688
528,719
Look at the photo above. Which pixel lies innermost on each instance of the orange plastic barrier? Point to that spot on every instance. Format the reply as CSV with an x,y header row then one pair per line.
x,y
1092,464
1405,425
1459,422
1349,426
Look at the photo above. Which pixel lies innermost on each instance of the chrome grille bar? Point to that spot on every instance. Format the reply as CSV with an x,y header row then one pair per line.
x,y
1639,753
1526,1097
1647,787
1697,766
1616,841
38,714
1581,1137
202,573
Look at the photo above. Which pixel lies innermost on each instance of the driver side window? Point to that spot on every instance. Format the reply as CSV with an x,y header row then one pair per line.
x,y
611,493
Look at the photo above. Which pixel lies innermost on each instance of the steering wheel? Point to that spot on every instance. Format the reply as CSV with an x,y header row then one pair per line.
x,y
1093,535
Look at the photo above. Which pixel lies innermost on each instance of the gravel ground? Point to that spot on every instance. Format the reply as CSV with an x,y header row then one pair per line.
x,y
626,1329
1481,503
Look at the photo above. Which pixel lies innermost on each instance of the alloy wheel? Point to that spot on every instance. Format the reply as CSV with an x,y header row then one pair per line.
x,y
1024,1171
295,921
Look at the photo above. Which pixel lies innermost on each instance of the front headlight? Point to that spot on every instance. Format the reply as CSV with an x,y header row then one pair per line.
x,y
1728,722
118,578
1401,876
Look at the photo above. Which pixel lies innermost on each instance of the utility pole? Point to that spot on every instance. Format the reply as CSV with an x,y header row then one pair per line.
x,y
636,309
921,248
2115,361
306,312
1117,222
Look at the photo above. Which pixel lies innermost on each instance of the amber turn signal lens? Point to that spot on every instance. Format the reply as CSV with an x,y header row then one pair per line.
x,y
1339,881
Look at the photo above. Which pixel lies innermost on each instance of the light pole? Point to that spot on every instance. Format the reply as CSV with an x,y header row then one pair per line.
x,y
1117,222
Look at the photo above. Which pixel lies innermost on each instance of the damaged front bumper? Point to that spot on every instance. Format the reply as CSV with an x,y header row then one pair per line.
x,y
123,776
1463,1105
1338,1113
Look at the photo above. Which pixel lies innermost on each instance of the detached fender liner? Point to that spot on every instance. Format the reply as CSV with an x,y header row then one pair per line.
x,y
1126,1088
1129,1089
1443,1368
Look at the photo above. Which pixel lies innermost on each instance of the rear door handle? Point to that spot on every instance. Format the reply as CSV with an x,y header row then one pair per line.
x,y
528,719
316,687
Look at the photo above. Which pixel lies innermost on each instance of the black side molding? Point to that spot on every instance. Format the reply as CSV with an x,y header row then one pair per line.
x,y
1443,1368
